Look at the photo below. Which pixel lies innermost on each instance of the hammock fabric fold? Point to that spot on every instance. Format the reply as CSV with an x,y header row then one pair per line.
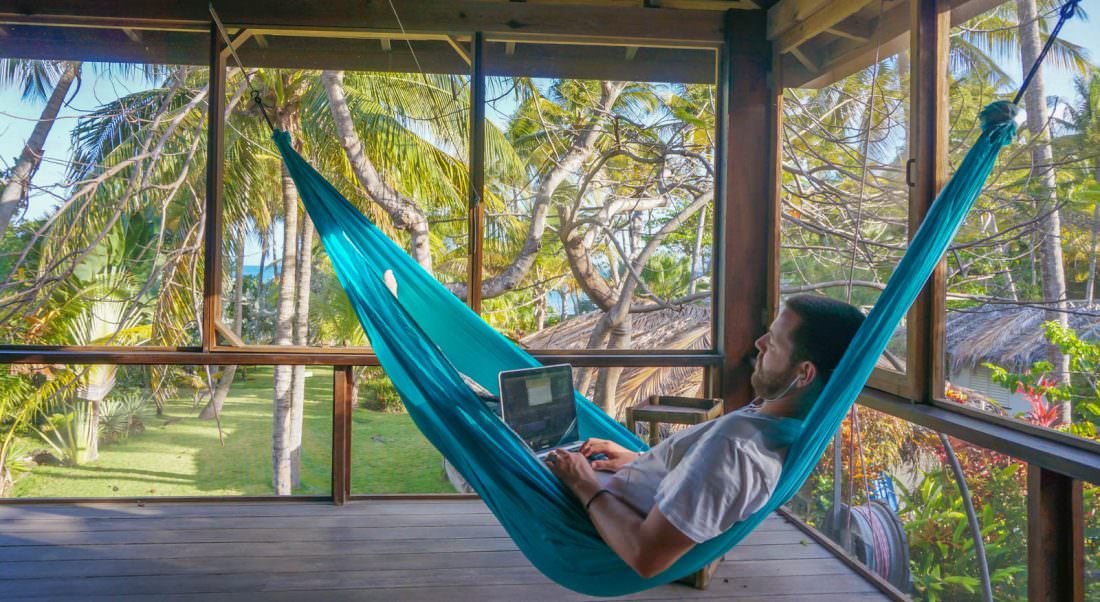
x,y
426,336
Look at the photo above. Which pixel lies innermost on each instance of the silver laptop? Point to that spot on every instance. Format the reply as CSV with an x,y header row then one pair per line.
x,y
537,403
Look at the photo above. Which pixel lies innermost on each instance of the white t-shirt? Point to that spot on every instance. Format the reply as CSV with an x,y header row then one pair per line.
x,y
706,478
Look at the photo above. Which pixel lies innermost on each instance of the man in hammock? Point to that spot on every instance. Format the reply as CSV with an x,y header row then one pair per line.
x,y
652,507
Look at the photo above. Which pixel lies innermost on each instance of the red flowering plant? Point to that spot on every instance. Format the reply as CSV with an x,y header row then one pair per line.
x,y
1043,393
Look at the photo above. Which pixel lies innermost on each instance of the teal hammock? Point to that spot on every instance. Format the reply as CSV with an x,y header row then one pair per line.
x,y
425,337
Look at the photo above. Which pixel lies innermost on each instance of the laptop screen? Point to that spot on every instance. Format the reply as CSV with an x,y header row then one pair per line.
x,y
538,405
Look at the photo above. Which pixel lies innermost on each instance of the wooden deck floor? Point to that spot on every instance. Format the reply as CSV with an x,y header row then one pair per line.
x,y
367,550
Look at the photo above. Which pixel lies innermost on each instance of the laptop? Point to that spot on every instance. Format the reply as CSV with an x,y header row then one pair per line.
x,y
538,405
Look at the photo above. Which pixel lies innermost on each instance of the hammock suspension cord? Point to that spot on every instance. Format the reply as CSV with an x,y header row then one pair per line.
x,y
257,97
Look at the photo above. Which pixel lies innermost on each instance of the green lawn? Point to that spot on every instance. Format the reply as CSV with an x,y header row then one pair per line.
x,y
179,454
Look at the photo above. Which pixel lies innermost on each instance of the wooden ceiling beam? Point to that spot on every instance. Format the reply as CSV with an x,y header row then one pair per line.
x,y
853,29
817,23
840,58
525,19
787,13
435,56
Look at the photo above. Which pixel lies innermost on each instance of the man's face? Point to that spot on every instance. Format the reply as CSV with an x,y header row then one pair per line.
x,y
774,369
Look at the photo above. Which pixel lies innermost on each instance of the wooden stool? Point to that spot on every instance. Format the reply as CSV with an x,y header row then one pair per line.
x,y
672,410
677,410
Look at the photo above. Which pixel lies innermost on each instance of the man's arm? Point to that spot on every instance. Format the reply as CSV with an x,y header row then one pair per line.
x,y
648,545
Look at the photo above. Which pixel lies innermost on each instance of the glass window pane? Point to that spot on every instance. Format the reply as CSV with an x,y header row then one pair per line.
x,y
388,452
150,431
392,139
908,523
1023,327
599,192
103,185
845,204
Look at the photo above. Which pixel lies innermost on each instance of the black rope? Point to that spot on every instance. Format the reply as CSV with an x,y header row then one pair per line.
x,y
1067,12
257,98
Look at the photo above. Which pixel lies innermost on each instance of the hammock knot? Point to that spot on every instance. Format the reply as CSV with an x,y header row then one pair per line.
x,y
280,136
998,113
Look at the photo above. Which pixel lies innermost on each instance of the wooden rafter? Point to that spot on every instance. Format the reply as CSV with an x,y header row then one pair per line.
x,y
787,13
460,50
828,16
852,30
839,57
529,20
805,60
713,5
236,41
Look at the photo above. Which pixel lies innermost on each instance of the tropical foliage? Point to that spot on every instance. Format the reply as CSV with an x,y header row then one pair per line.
x,y
599,200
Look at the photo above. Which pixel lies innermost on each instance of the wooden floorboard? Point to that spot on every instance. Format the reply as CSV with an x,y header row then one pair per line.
x,y
448,550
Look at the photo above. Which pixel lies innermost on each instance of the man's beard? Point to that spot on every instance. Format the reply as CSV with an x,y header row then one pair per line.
x,y
770,385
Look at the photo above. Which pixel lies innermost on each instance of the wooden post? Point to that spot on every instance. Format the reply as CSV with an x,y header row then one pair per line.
x,y
476,224
212,227
341,433
718,289
775,183
929,87
748,233
1055,536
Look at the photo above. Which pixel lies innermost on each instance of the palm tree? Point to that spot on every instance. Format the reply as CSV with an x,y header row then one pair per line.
x,y
1042,165
105,321
35,78
1084,123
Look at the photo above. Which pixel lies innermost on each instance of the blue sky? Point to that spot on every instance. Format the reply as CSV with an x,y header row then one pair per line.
x,y
17,116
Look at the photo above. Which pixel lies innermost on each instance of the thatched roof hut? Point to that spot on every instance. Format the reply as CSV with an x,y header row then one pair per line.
x,y
1005,335
1009,336
687,327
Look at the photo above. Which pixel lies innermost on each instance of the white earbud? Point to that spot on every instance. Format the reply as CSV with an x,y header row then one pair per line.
x,y
785,391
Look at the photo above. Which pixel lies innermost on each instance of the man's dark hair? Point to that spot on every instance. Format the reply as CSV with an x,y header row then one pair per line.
x,y
826,329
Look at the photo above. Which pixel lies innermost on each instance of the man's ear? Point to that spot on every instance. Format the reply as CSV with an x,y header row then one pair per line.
x,y
809,374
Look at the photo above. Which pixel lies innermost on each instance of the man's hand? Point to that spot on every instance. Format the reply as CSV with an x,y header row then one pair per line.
x,y
574,471
617,455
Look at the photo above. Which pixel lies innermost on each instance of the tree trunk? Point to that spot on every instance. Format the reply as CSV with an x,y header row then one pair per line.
x,y
696,252
1090,284
540,313
607,383
225,382
1042,173
1006,269
87,431
301,337
18,185
282,413
580,150
357,374
405,212
258,305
